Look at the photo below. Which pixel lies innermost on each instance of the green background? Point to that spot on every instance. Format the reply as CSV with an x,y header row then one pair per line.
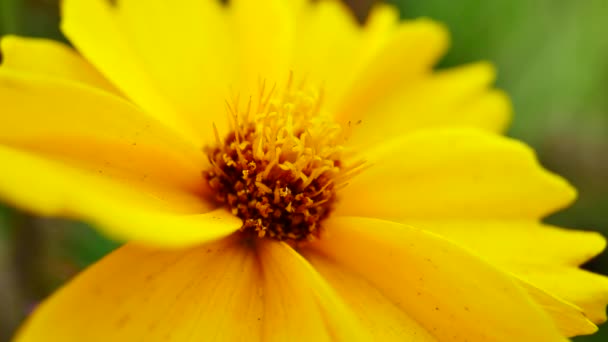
x,y
552,57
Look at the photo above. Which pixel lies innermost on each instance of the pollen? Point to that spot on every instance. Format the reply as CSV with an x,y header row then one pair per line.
x,y
282,165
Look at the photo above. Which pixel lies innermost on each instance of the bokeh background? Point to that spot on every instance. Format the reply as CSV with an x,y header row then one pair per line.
x,y
552,57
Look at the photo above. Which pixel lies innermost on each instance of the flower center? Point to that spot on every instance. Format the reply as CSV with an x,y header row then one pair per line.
x,y
280,169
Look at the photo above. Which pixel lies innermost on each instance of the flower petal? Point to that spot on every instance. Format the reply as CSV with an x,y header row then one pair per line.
x,y
191,56
525,248
453,97
94,130
383,318
587,290
45,57
453,173
93,29
450,292
229,290
490,111
388,322
124,209
264,32
404,55
518,242
569,319
298,304
115,167
324,56
207,292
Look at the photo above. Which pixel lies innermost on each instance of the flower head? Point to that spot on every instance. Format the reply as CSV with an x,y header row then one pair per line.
x,y
281,172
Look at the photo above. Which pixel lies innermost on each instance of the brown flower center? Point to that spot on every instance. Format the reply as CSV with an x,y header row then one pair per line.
x,y
280,169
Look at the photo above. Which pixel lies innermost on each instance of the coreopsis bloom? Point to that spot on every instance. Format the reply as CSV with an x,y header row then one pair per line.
x,y
283,173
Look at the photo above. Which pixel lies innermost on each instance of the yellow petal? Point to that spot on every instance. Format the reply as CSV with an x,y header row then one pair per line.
x,y
454,97
112,165
453,173
96,131
587,290
381,21
569,319
405,57
518,242
521,247
298,304
190,56
211,291
227,290
49,58
450,292
93,29
123,208
264,38
490,111
446,98
322,55
380,316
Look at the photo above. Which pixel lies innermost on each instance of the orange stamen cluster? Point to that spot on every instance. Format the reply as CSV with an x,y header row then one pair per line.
x,y
280,170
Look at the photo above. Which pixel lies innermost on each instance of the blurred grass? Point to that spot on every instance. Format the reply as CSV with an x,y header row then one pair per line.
x,y
550,54
9,16
552,58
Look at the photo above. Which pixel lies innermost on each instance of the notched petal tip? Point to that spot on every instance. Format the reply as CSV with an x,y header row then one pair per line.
x,y
557,187
569,319
381,12
480,73
600,244
564,189
500,103
437,31
5,42
8,44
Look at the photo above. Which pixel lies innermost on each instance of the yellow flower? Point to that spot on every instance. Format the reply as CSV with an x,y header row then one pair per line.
x,y
366,197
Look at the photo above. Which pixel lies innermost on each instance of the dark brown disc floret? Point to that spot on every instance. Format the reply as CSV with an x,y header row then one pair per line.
x,y
281,166
277,204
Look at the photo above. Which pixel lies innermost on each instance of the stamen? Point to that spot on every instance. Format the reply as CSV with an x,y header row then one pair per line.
x,y
280,167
